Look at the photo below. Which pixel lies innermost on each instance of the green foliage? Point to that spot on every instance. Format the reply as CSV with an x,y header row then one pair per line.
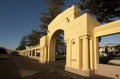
x,y
33,38
54,8
23,43
103,10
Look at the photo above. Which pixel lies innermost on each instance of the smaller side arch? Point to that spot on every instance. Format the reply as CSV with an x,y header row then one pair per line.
x,y
14,53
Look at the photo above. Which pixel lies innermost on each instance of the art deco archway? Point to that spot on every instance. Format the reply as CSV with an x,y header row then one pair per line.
x,y
78,33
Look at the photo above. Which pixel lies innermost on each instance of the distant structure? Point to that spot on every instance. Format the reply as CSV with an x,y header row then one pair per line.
x,y
110,49
4,51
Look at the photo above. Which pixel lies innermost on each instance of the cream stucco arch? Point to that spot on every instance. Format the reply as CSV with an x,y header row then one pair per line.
x,y
77,32
60,23
81,33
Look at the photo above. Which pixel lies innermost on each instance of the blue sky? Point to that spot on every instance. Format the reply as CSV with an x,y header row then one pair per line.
x,y
112,39
19,17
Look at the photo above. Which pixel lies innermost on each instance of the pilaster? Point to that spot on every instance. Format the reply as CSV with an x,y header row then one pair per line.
x,y
68,57
85,53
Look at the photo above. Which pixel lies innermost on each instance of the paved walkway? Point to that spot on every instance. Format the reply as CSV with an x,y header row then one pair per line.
x,y
8,69
32,69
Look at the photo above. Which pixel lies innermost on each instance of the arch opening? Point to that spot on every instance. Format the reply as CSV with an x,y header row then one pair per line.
x,y
15,53
109,49
58,47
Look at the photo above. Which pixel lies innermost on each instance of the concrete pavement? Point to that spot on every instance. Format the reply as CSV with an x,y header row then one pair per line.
x,y
9,69
32,69
19,67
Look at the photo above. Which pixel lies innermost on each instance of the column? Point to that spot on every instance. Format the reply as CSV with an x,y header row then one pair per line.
x,y
45,54
41,55
85,54
68,57
91,53
31,53
96,57
80,51
35,53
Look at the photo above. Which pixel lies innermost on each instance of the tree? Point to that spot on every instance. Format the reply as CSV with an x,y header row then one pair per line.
x,y
103,10
54,8
23,43
33,38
